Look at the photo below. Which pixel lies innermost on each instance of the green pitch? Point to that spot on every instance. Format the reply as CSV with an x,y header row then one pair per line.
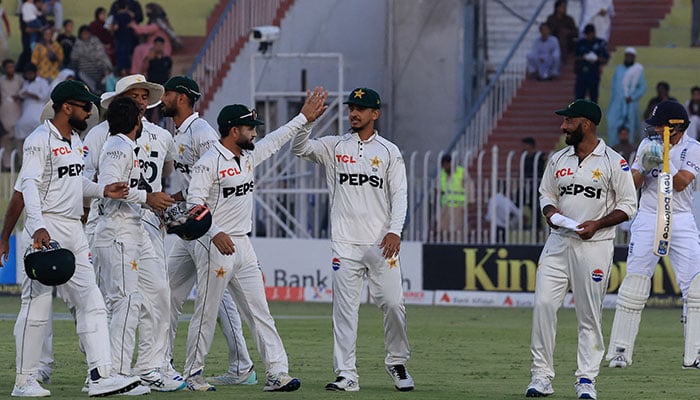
x,y
458,353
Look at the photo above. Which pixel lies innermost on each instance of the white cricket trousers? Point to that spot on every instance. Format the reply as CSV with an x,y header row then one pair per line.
x,y
241,273
154,323
182,274
684,248
385,287
119,261
584,266
80,291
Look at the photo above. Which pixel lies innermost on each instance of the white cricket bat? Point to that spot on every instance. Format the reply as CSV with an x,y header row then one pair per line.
x,y
664,207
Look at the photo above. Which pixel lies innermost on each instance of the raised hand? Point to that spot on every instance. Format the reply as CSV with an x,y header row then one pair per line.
x,y
315,104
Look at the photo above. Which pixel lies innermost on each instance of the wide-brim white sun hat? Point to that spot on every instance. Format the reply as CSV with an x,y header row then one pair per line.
x,y
155,91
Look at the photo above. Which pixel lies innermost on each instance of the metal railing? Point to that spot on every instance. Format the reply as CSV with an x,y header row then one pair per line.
x,y
494,99
227,37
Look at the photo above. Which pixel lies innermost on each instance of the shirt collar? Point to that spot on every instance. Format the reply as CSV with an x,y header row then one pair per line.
x,y
356,136
599,150
226,153
54,131
187,122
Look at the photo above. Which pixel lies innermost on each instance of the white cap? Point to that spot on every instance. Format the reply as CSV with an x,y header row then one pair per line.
x,y
630,50
155,91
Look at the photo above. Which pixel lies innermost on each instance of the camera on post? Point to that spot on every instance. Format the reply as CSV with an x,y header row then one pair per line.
x,y
265,35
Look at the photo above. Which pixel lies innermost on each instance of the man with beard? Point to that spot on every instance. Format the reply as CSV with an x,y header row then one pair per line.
x,y
586,190
223,179
52,188
193,137
366,177
121,246
627,87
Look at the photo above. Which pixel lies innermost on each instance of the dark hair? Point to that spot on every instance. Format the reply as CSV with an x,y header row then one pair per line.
x,y
623,128
66,22
82,29
446,158
664,85
7,61
224,130
692,89
99,10
30,67
589,29
122,115
529,140
558,3
158,39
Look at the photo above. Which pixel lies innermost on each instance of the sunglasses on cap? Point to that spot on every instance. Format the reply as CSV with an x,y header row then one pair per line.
x,y
87,107
188,90
253,115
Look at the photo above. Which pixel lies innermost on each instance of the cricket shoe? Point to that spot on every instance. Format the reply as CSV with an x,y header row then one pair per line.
x,y
343,384
585,389
169,372
402,379
158,382
113,384
27,386
694,365
539,387
247,378
139,390
619,361
281,382
197,383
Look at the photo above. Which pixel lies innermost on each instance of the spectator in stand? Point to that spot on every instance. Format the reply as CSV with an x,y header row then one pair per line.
x,y
627,87
10,107
55,8
502,212
598,13
65,74
663,92
31,16
157,67
456,191
47,55
124,36
34,94
543,61
67,39
97,28
133,6
4,38
531,184
158,26
157,64
624,147
693,107
89,60
563,28
591,55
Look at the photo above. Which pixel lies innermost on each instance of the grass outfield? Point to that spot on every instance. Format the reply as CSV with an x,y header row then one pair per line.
x,y
458,353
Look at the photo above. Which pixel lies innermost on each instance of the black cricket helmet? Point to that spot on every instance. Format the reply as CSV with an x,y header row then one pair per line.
x,y
51,266
188,221
668,113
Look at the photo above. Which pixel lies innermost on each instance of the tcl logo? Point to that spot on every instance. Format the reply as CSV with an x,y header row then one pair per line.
x,y
343,158
587,191
229,172
61,151
563,172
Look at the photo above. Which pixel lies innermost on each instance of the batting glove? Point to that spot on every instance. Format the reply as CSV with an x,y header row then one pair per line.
x,y
650,156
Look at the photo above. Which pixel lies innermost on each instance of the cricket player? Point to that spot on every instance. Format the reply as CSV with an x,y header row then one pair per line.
x,y
154,160
589,184
52,188
121,244
223,180
193,137
366,178
684,158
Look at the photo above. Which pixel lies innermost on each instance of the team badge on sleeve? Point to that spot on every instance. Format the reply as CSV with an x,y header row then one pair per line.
x,y
624,166
597,275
